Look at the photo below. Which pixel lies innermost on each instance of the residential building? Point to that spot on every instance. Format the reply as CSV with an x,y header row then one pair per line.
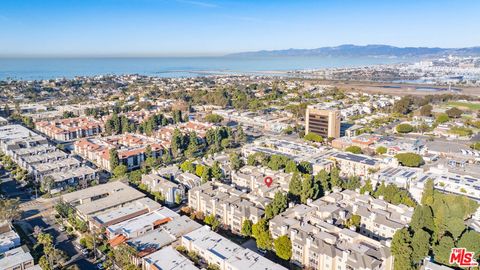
x,y
176,261
219,251
70,128
9,239
231,206
130,148
18,259
169,189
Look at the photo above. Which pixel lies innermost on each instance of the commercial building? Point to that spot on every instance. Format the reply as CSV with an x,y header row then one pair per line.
x,y
219,251
322,121
96,199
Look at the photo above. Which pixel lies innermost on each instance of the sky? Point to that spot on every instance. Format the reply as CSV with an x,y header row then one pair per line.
x,y
214,27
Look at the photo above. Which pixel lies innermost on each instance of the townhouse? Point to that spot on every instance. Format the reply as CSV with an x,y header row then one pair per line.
x,y
231,206
170,190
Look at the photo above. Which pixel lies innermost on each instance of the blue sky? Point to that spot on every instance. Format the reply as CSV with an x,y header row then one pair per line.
x,y
214,27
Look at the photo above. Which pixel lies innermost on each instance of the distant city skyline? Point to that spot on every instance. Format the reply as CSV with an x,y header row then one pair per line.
x,y
73,28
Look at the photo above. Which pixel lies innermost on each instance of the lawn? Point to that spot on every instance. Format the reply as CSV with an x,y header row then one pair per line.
x,y
462,105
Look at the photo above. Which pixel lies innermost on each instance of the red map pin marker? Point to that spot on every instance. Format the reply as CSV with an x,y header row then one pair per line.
x,y
268,181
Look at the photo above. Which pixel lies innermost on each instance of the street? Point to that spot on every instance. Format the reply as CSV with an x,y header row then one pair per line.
x,y
39,213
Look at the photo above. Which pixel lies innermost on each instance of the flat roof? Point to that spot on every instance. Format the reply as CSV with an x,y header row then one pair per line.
x,y
15,257
175,261
139,222
127,209
109,195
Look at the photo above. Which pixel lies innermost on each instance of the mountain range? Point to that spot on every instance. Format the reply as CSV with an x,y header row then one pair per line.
x,y
349,50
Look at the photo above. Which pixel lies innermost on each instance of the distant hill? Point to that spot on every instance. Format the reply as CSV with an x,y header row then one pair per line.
x,y
368,50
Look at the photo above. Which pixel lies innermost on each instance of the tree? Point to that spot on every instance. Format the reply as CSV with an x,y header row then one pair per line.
x,y
454,112
278,205
193,145
235,161
148,151
313,137
335,177
381,150
305,167
403,105
206,174
401,249
188,166
178,198
354,221
114,160
409,159
283,247
217,171
295,185
241,136
213,118
262,235
351,183
247,227
442,118
212,221
367,187
354,149
420,245
291,166
120,171
422,218
177,143
443,248
309,189
426,110
404,128
323,178
9,209
428,192
471,241
47,184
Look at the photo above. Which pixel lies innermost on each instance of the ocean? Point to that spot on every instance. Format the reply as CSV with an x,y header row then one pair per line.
x,y
52,68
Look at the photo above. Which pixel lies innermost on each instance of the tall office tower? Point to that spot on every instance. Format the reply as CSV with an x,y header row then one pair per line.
x,y
324,122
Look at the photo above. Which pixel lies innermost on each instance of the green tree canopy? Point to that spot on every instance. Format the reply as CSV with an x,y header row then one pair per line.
x,y
283,247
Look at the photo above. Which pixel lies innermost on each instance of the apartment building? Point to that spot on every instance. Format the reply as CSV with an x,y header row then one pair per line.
x,y
130,147
252,178
70,129
296,150
219,251
9,239
354,164
170,190
321,241
175,260
33,153
18,259
229,205
322,121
